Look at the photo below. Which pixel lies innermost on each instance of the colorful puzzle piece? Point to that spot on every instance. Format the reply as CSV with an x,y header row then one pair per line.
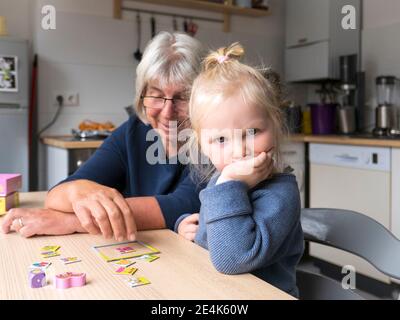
x,y
125,271
50,248
137,281
50,254
124,250
69,260
40,265
50,251
124,263
149,257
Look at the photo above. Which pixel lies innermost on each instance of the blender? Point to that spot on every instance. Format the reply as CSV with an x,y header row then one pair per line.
x,y
386,114
346,111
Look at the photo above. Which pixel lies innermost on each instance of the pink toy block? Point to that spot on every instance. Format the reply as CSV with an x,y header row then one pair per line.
x,y
70,279
9,183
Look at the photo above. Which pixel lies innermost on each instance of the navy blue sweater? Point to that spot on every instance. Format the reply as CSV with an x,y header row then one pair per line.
x,y
256,230
121,163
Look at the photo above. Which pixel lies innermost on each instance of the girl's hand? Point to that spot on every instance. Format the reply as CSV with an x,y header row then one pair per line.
x,y
30,222
250,171
189,226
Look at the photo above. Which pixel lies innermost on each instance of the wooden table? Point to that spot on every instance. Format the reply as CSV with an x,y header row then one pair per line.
x,y
184,270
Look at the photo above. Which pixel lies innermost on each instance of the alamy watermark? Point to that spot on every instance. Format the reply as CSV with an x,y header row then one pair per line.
x,y
240,146
349,20
349,280
49,17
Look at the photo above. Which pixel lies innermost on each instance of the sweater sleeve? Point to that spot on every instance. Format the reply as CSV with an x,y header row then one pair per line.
x,y
244,236
184,199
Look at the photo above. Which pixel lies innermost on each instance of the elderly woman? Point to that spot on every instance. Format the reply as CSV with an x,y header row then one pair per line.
x,y
120,189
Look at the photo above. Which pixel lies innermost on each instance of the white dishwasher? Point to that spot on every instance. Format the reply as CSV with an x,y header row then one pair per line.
x,y
354,178
294,155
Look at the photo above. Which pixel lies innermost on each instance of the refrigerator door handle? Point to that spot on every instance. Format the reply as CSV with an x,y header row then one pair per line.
x,y
10,106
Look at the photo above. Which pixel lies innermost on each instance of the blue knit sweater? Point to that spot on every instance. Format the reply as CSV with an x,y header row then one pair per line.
x,y
256,230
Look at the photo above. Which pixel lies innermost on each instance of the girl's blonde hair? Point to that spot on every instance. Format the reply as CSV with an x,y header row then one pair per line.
x,y
222,76
169,59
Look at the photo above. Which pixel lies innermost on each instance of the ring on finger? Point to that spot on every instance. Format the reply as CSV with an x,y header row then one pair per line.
x,y
21,224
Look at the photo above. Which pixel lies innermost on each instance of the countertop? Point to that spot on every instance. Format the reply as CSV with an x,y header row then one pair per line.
x,y
347,140
184,270
68,142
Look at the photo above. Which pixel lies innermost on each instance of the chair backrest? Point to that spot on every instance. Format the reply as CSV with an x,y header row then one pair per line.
x,y
355,233
318,287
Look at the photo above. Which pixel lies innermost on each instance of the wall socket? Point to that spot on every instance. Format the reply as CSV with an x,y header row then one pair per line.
x,y
71,99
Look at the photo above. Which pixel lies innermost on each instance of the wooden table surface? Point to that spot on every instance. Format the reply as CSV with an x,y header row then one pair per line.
x,y
184,270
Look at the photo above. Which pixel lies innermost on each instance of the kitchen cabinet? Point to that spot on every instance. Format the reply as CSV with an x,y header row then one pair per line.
x,y
395,221
62,162
307,21
57,165
315,39
308,62
395,216
294,155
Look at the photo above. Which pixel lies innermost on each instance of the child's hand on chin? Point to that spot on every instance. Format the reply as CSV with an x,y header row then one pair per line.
x,y
250,171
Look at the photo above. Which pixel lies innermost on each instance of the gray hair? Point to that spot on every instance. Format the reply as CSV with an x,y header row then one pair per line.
x,y
168,59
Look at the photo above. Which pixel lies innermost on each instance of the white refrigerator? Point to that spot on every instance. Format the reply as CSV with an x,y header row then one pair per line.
x,y
14,102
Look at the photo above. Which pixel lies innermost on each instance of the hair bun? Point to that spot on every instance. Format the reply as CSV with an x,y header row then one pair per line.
x,y
234,52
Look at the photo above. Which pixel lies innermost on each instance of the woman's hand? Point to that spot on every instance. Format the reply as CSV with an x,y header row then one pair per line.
x,y
188,227
30,222
250,171
103,209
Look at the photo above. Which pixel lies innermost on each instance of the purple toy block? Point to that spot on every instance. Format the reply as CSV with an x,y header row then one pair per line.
x,y
37,278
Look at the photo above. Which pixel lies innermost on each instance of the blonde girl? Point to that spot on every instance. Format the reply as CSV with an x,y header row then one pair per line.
x,y
250,210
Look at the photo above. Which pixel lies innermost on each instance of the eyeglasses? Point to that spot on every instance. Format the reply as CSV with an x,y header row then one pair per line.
x,y
158,103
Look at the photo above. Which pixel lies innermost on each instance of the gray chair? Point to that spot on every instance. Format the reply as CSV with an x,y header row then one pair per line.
x,y
352,232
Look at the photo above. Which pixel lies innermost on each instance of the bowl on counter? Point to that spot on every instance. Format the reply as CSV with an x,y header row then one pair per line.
x,y
90,134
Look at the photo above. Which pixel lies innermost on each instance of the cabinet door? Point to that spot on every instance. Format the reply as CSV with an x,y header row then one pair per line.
x,y
307,21
298,171
293,154
310,62
395,181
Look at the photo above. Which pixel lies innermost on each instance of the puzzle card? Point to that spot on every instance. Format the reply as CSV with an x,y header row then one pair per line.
x,y
112,252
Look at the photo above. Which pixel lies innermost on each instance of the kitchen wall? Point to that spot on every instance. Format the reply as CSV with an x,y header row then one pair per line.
x,y
91,53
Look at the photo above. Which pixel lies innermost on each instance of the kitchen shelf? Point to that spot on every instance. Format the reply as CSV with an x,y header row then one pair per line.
x,y
227,9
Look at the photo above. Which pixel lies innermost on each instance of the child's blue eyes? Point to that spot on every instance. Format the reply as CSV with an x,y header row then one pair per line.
x,y
220,140
252,132
249,132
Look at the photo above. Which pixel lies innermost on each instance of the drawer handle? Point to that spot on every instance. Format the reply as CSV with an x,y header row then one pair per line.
x,y
289,153
346,157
